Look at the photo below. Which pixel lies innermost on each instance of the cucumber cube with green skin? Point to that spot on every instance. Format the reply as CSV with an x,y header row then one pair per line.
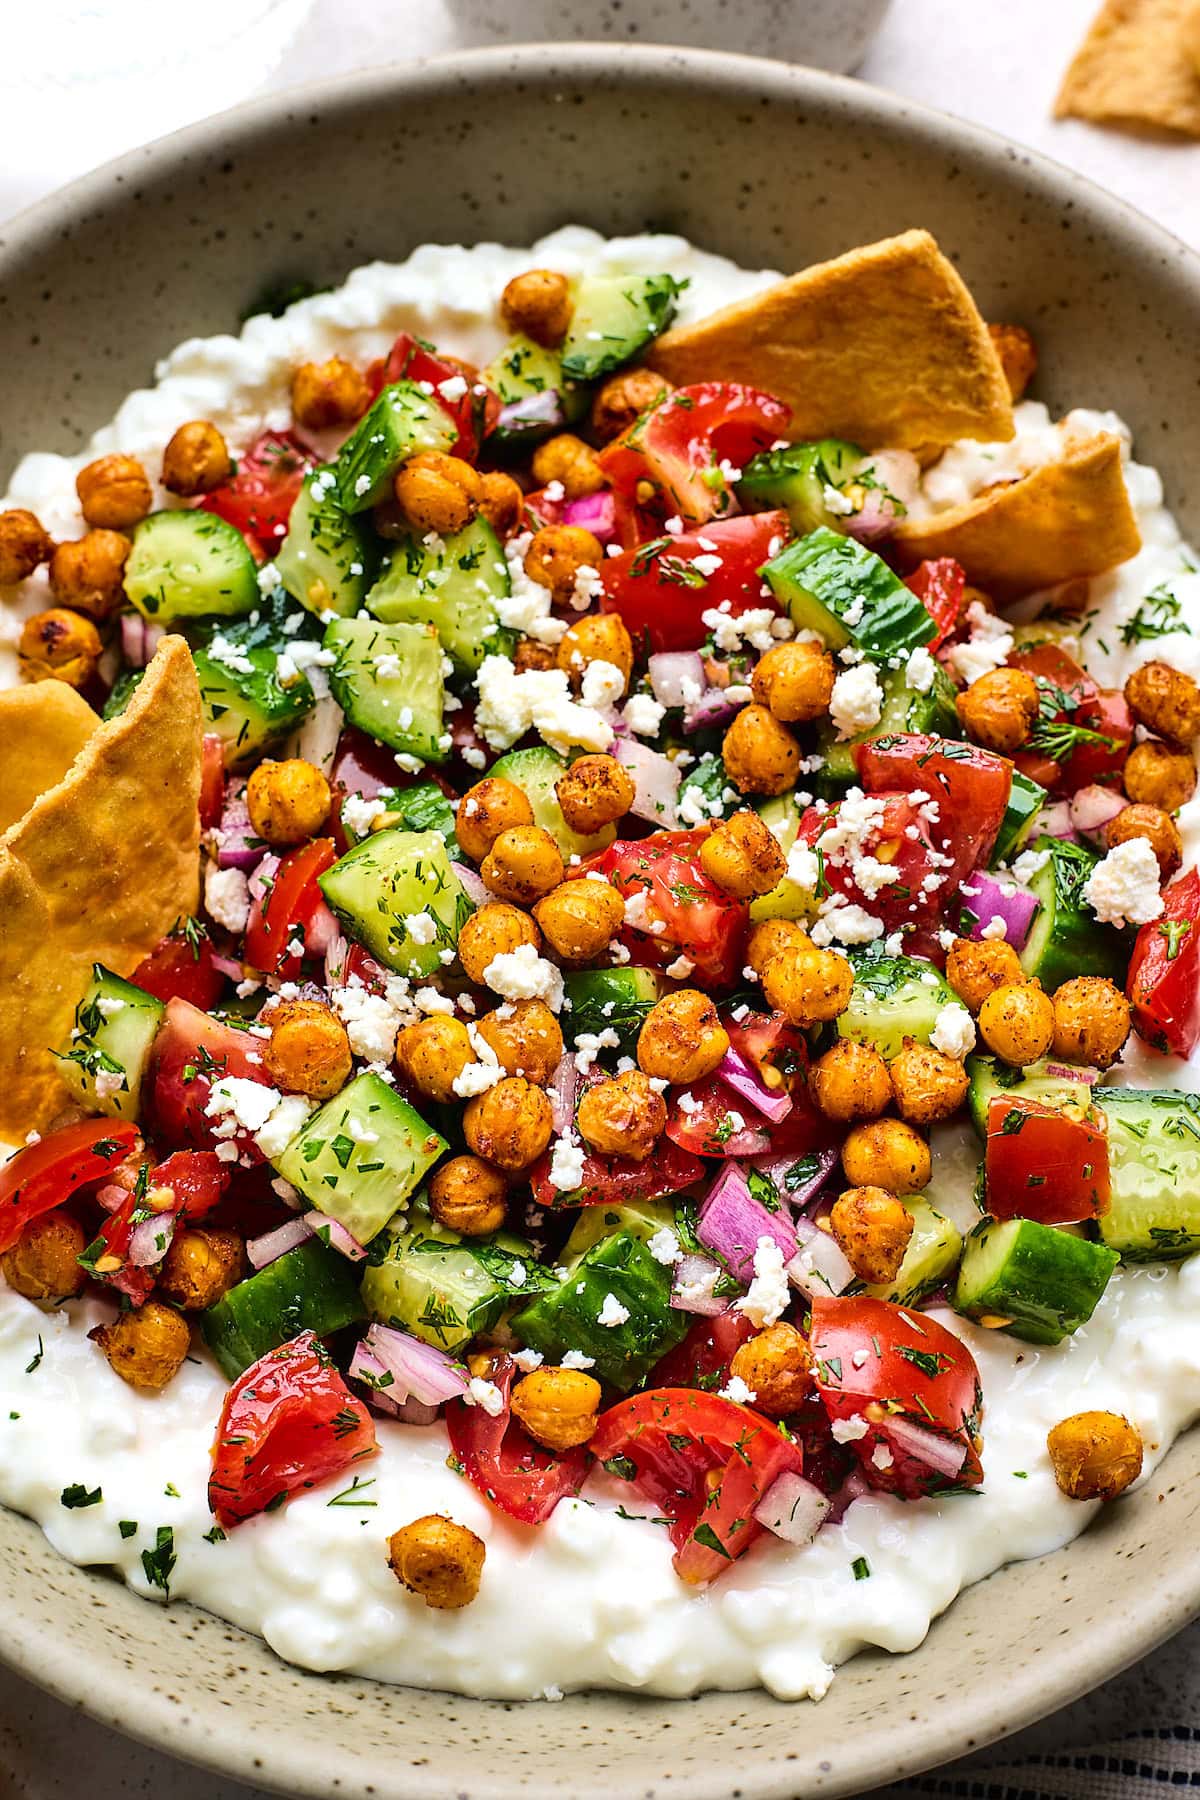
x,y
452,584
243,700
797,477
420,808
615,316
309,1288
522,371
612,1000
104,1060
893,998
932,1253
190,564
393,878
328,559
1154,1171
388,681
402,422
1043,1283
904,709
619,1269
846,594
1026,799
642,1218
788,900
535,772
990,1078
1066,938
425,1279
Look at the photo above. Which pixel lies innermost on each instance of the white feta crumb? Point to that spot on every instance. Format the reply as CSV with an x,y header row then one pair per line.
x,y
680,969
522,974
643,715
1124,888
767,1297
848,1431
227,897
484,1394
421,927
589,1044
575,1359
920,670
612,1313
737,1390
995,928
566,1165
528,1360
953,1031
856,701
664,1246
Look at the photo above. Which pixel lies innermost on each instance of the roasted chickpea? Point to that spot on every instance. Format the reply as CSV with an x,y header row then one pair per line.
x,y
1157,827
743,857
850,1081
602,637
975,968
681,1039
771,936
890,1153
623,399
501,502
526,1038
146,1346
594,792
114,492
1159,776
24,545
1000,709
493,805
433,1053
510,1124
468,1196
1016,1022
559,1408
776,1365
437,493
794,681
523,864
88,573
495,930
810,986
557,553
1165,701
580,919
928,1084
1018,356
287,801
761,755
622,1117
1095,1455
872,1228
57,645
308,1051
1091,1021
567,459
328,394
538,304
43,1264
438,1560
202,1264
530,654
196,459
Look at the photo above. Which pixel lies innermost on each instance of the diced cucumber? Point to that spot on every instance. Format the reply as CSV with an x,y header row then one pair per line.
x,y
388,681
846,594
642,1218
242,697
1066,938
387,881
1026,799
452,584
105,1058
567,1316
328,559
797,477
522,372
612,1000
309,1288
425,1279
187,564
905,709
893,998
402,421
615,316
1154,1169
420,808
788,900
535,773
1039,1283
991,1078
933,1252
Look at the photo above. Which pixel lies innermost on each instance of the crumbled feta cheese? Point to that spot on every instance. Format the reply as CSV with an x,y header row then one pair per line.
x,y
484,1394
882,1457
844,923
388,667
995,928
755,627
239,1104
108,1006
108,1083
453,388
680,969
528,1360
431,1000
643,715
920,670
612,1313
575,1359
421,927
737,1390
535,700
767,1297
987,647
603,684
566,1164
1124,888
953,1031
856,701
589,586
522,974
849,1431
871,876
664,1246
359,813
589,1044
288,1117
372,1020
227,897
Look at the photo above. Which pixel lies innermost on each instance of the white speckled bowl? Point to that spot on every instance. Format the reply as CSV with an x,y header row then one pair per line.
x,y
769,165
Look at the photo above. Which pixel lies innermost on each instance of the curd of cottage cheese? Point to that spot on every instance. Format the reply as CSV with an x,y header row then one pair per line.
x,y
312,1578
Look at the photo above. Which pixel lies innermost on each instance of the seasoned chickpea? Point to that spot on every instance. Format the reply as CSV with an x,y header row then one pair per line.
x,y
976,967
771,936
872,1229
602,637
493,805
1000,709
308,1051
1016,1022
890,1153
681,1039
529,654
623,399
438,1560
1095,1455
1018,356
147,1346
114,492
57,645
1157,827
196,459
569,460
538,304
594,792
559,1408
1091,1021
88,573
850,1081
523,864
24,545
810,986
1165,700
761,755
622,1117
1159,776
776,1365
510,1124
743,857
501,502
437,493
43,1263
794,681
526,1038
495,930
433,1053
287,801
928,1084
556,554
328,394
202,1263
468,1196
580,919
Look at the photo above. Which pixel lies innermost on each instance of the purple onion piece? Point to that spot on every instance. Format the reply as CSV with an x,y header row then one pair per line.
x,y
693,1271
855,1487
418,1370
731,1221
1092,808
655,778
714,707
1069,1072
472,883
777,1168
139,639
596,513
333,1233
262,877
1055,820
562,1092
272,1244
944,1455
986,897
321,931
150,1241
820,1266
875,519
531,412
676,676
746,1082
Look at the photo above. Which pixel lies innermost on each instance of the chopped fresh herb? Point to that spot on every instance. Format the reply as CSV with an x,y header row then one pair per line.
x,y
623,1466
77,1495
215,1536
41,1351
171,1491
704,1534
862,1568
351,1496
159,1562
928,1361
127,1527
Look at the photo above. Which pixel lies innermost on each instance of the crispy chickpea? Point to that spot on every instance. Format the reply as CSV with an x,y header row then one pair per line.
x,y
196,459
287,801
794,681
437,493
622,1117
328,394
594,792
771,936
510,1124
24,545
523,864
556,554
976,967
850,1081
743,857
1018,356
469,1196
529,654
580,919
1016,1022
538,304
433,1053
761,755
308,1051
438,1560
1165,700
559,1408
501,502
810,986
1091,1021
495,930
493,805
57,645
202,1264
114,492
526,1038
569,460
776,1365
623,399
1095,1455
681,1039
88,573
872,1228
147,1346
602,637
1000,709
43,1263
1159,776
1156,826
889,1152
928,1084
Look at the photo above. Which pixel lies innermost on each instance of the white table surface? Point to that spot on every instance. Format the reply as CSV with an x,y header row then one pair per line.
x,y
997,62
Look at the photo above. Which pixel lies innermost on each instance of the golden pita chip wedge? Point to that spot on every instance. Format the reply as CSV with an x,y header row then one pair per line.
x,y
1067,519
97,870
883,346
43,727
1137,66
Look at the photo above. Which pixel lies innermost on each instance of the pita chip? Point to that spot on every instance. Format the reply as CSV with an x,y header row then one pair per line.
x,y
1068,519
43,727
883,346
97,870
1139,65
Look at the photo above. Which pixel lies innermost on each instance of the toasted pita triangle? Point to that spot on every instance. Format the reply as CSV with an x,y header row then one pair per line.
x,y
1139,65
43,727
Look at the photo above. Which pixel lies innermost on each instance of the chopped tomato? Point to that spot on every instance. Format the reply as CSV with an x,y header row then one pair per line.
x,y
1084,732
900,839
197,1178
259,498
513,1472
1043,1164
704,1462
288,1423
616,1180
279,920
662,588
688,445
181,967
106,1258
191,1052
970,785
696,917
703,1359
474,412
1164,972
212,780
939,584
45,1173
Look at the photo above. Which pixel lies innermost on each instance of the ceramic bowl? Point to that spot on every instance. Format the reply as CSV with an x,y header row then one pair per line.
x,y
770,165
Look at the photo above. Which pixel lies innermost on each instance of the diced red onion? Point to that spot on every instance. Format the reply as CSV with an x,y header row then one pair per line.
x,y
336,1235
777,1169
676,676
472,883
1069,1072
320,931
875,519
714,707
262,877
418,1370
596,513
1055,820
139,639
988,898
655,781
150,1241
366,1368
272,1244
852,1489
731,1221
238,844
562,1093
793,1509
690,1272
1092,808
532,410
415,1412
316,738
747,1083
336,952
944,1455
228,966
820,1266
112,1196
